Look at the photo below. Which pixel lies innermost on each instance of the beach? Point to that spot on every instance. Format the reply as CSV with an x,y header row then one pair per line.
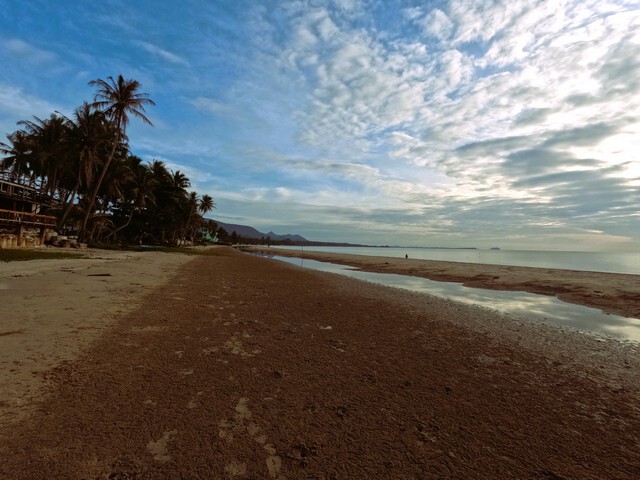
x,y
227,365
52,310
615,293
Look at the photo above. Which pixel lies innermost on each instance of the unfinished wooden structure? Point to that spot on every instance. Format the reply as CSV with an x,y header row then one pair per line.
x,y
21,208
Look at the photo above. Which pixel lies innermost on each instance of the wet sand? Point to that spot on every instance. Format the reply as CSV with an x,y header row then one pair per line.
x,y
243,367
615,293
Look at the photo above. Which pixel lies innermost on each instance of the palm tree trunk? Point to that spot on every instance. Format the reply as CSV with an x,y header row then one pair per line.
x,y
94,193
121,227
69,205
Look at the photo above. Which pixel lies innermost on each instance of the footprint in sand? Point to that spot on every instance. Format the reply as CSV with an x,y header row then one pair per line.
x,y
234,345
274,464
236,468
209,350
241,425
159,449
242,410
193,403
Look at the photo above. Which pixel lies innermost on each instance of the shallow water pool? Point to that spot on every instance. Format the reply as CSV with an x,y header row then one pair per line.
x,y
520,304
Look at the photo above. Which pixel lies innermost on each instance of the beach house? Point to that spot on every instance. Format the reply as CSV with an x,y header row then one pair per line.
x,y
22,214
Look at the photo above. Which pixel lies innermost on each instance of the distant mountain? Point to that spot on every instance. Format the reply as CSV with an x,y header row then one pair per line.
x,y
250,232
288,236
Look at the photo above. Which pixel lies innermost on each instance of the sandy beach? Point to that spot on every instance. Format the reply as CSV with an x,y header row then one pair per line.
x,y
51,310
615,293
153,365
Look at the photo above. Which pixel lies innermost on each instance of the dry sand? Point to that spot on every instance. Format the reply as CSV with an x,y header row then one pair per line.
x,y
243,367
51,310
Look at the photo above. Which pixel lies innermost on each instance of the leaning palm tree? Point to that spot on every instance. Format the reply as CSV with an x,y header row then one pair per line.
x,y
89,137
117,99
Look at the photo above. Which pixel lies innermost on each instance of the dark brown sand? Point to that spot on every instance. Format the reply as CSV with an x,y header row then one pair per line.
x,y
244,367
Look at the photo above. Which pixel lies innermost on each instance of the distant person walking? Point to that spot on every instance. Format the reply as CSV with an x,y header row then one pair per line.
x,y
406,256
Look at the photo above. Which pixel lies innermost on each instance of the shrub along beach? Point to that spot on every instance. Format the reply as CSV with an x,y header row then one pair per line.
x,y
228,365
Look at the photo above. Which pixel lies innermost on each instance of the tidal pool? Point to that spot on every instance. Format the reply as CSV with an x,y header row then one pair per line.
x,y
519,304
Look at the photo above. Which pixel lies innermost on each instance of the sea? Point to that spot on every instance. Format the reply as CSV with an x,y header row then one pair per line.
x,y
612,262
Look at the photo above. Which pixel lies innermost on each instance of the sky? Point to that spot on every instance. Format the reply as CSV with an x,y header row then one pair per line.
x,y
463,123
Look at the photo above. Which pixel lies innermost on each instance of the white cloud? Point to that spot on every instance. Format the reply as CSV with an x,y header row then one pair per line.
x,y
24,106
482,21
164,54
419,103
26,52
211,105
437,24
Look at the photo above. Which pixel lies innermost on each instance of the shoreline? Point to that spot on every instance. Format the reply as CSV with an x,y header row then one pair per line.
x,y
614,293
244,367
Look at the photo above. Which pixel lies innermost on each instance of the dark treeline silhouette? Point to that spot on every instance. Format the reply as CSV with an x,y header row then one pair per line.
x,y
93,184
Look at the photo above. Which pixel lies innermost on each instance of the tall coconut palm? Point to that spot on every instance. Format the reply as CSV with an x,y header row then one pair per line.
x,y
89,140
49,153
18,152
138,193
195,207
118,99
189,210
168,192
181,182
206,204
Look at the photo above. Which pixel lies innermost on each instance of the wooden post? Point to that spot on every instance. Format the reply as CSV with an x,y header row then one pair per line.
x,y
43,234
19,234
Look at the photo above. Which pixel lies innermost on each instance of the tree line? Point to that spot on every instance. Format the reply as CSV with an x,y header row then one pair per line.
x,y
95,186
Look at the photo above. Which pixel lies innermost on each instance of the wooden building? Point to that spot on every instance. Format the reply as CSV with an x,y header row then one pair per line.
x,y
21,208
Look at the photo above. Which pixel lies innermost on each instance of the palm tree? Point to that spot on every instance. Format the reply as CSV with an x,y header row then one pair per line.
x,y
49,155
206,204
138,192
190,206
181,182
89,142
18,152
169,192
117,99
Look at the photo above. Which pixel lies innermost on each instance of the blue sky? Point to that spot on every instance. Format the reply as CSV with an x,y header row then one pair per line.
x,y
483,123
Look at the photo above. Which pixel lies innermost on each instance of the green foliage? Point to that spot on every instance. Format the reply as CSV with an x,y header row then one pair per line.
x,y
215,252
97,188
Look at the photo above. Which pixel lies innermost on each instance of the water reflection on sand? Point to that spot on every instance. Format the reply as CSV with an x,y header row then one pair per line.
x,y
520,304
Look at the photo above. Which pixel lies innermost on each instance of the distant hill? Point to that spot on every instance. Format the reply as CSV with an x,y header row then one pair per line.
x,y
250,232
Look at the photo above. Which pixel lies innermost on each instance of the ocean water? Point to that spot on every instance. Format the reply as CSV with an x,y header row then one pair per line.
x,y
615,262
521,305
